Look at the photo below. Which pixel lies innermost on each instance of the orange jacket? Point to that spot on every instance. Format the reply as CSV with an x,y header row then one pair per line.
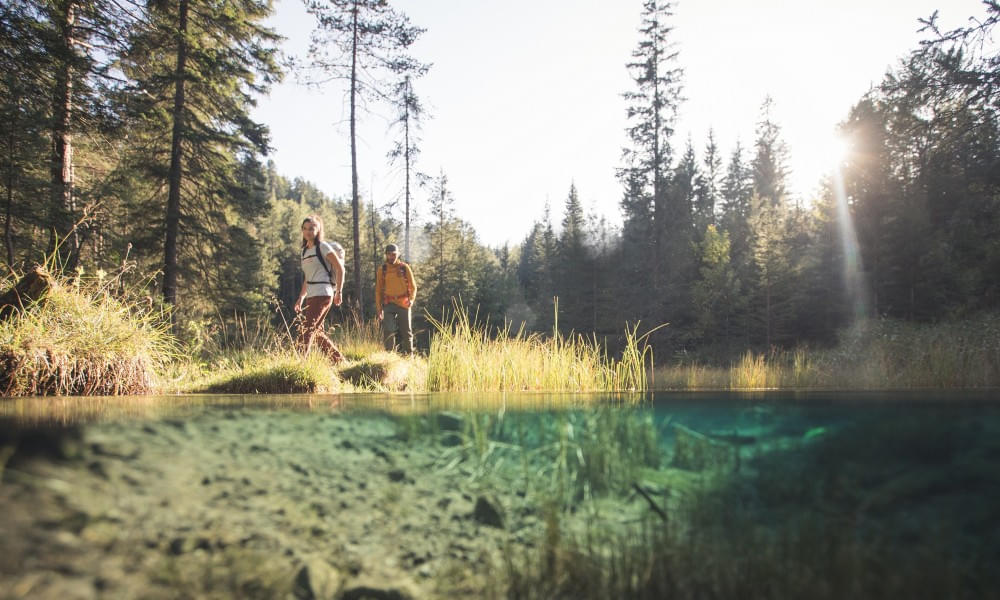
x,y
394,283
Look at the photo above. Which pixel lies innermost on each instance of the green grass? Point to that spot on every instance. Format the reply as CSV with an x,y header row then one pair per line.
x,y
84,337
271,373
251,357
468,356
828,519
873,355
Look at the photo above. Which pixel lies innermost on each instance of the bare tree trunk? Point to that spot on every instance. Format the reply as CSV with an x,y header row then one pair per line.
x,y
355,209
174,178
406,154
60,218
375,262
7,231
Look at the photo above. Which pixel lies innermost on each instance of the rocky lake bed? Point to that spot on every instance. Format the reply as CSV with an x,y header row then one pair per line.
x,y
330,503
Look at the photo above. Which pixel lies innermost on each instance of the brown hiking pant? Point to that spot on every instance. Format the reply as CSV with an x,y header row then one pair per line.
x,y
311,328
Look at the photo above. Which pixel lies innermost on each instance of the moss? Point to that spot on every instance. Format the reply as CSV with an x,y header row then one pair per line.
x,y
261,373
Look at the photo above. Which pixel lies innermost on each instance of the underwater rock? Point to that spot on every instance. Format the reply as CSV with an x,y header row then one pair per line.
x,y
316,579
488,513
397,475
698,452
177,546
449,421
375,593
450,440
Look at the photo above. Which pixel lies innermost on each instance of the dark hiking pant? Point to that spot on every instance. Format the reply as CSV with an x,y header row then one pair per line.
x,y
397,328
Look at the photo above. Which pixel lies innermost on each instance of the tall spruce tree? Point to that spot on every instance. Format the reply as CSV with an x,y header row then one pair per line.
x,y
768,221
708,187
574,274
197,65
409,118
716,293
24,101
360,42
652,111
71,45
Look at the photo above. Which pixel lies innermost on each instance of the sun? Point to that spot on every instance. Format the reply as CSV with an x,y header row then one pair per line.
x,y
818,157
838,150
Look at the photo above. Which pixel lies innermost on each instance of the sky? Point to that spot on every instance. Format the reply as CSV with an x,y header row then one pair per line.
x,y
525,96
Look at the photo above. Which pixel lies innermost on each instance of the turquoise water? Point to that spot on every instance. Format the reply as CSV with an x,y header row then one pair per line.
x,y
519,496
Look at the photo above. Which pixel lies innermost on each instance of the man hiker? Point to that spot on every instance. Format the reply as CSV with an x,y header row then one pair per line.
x,y
395,292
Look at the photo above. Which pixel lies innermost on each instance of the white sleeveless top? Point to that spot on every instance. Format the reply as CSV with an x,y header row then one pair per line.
x,y
318,282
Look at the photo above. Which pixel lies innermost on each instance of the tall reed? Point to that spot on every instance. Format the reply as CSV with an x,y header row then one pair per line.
x,y
469,356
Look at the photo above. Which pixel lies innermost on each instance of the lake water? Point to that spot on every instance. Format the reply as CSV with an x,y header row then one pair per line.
x,y
697,495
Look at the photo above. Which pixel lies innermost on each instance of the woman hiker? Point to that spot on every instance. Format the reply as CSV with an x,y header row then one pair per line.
x,y
321,288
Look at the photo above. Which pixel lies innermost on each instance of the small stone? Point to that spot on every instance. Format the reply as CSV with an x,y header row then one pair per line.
x,y
365,592
449,421
451,440
203,544
97,468
488,513
176,546
397,475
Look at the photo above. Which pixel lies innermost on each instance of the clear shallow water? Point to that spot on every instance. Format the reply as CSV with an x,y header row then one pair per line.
x,y
115,497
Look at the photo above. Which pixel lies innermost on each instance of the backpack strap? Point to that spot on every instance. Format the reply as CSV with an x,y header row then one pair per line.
x,y
322,261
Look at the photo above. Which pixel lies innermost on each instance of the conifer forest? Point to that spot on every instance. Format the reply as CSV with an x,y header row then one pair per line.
x,y
127,141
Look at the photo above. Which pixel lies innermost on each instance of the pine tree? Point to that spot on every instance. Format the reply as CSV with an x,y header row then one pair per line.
x,y
708,187
197,65
685,190
652,112
61,52
573,270
409,119
716,293
24,62
359,41
768,226
770,162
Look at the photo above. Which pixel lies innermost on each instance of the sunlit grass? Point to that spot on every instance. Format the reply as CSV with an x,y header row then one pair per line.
x,y
878,354
253,372
468,356
357,341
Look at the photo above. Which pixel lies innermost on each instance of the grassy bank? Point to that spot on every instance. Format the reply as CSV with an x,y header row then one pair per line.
x,y
873,355
91,336
467,356
85,336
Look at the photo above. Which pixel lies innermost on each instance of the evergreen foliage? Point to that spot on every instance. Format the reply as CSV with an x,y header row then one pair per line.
x,y
151,111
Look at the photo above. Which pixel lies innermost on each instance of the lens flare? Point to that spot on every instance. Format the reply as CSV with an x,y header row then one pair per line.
x,y
854,280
